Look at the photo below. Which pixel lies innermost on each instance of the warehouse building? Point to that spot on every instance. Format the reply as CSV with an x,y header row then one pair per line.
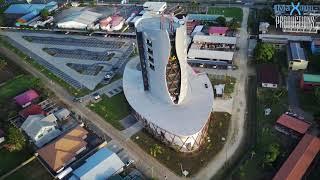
x,y
79,20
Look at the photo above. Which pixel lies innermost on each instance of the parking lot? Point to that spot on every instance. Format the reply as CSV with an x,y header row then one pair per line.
x,y
81,61
80,54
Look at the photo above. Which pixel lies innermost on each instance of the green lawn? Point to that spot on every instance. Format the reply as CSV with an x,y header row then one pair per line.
x,y
218,128
255,167
112,109
74,91
227,80
9,160
233,12
32,171
15,86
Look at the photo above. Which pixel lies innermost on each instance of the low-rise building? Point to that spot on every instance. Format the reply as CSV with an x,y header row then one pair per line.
x,y
300,159
33,109
154,7
315,46
296,57
291,125
217,31
62,114
309,81
60,153
101,165
79,20
268,76
26,98
41,129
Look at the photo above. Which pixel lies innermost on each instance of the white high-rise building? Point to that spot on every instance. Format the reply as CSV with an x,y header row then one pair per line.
x,y
173,102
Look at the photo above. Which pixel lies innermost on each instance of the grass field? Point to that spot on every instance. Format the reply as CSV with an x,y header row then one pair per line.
x,y
233,12
15,86
112,109
255,167
32,171
74,91
218,128
9,160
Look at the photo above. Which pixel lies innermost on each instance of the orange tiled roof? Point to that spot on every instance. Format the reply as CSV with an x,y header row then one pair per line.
x,y
300,159
58,153
293,123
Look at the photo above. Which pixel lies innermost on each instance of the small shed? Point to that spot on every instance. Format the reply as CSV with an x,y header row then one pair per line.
x,y
268,76
26,98
219,90
62,114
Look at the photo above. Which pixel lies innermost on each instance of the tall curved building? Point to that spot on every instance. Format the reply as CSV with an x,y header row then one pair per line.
x,y
173,102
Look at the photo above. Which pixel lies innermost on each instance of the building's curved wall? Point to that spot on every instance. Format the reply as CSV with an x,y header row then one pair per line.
x,y
181,50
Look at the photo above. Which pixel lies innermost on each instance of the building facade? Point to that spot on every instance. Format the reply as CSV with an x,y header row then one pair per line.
x,y
173,102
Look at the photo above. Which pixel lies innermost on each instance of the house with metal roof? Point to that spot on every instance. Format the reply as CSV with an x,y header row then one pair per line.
x,y
296,57
315,46
26,98
268,75
217,31
101,165
79,20
309,81
288,124
300,159
33,109
154,7
63,151
41,129
62,114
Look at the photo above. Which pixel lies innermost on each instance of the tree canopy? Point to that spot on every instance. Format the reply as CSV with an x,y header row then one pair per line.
x,y
221,20
272,153
233,24
3,64
264,52
16,140
44,13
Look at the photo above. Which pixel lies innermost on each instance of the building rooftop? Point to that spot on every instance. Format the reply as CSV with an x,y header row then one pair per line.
x,y
311,78
33,109
205,17
26,97
193,112
62,113
300,159
57,154
293,123
217,30
27,8
268,73
101,165
210,54
154,6
214,39
297,53
83,17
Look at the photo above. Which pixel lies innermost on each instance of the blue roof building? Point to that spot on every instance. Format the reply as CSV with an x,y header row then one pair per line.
x,y
100,166
28,8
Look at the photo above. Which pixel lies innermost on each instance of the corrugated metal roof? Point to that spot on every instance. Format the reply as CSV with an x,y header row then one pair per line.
x,y
293,123
300,159
215,39
27,8
311,78
210,54
83,17
297,53
100,165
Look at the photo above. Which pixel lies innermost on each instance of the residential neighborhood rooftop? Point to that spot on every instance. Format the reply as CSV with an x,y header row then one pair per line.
x,y
26,97
297,52
33,109
293,123
300,159
63,150
311,78
268,73
214,39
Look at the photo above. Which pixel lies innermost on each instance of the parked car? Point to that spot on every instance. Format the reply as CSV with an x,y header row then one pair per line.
x,y
96,96
129,162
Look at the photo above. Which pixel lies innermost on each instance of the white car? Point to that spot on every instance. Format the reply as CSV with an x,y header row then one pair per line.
x,y
96,96
129,162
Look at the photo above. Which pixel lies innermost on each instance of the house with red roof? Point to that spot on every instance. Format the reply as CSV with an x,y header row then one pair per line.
x,y
291,125
217,31
33,109
26,98
300,159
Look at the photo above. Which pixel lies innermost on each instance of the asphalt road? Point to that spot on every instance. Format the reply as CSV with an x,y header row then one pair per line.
x,y
144,162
